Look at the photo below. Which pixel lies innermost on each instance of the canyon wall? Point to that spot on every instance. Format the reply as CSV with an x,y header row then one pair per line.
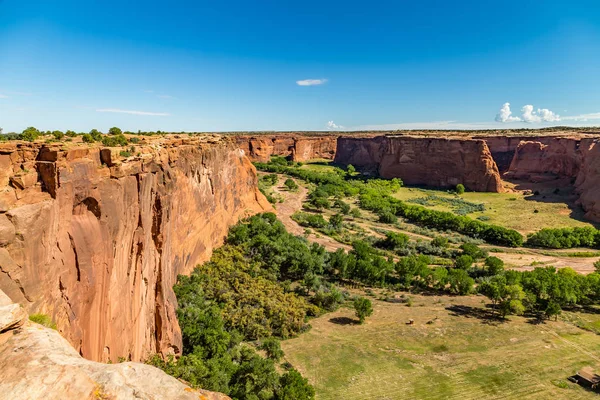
x,y
260,148
554,158
96,240
436,162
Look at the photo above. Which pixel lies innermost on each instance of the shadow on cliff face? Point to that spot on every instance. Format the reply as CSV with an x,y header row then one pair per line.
x,y
552,190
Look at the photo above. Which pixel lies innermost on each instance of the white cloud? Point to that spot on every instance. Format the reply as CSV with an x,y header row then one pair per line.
x,y
116,110
548,116
505,115
311,82
541,115
3,96
583,117
528,114
333,125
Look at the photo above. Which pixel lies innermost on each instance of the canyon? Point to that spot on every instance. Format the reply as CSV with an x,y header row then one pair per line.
x,y
96,239
479,160
95,236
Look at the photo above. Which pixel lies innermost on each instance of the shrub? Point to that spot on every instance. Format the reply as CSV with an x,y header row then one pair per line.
x,y
460,189
564,238
272,348
97,135
363,308
464,261
114,131
125,154
87,138
440,241
134,140
494,265
114,141
290,184
58,135
70,133
387,217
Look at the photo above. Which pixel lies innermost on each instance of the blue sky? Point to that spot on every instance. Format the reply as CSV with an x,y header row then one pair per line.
x,y
234,65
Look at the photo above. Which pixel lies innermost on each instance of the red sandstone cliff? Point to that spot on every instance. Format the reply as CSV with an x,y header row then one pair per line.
x,y
300,148
588,179
434,162
578,159
97,241
533,160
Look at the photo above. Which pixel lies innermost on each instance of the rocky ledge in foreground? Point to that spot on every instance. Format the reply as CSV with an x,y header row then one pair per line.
x,y
37,363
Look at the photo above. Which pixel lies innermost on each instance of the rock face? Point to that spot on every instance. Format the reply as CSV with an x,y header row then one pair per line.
x,y
433,162
588,179
578,159
533,160
300,148
37,363
96,240
503,147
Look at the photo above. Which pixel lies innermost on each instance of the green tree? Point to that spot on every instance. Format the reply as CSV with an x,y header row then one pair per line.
x,y
292,386
336,221
494,265
70,133
115,131
290,184
552,310
320,203
460,189
350,169
460,281
30,134
597,266
362,308
96,135
58,135
87,138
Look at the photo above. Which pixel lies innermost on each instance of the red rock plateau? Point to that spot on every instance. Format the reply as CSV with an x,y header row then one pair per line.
x,y
444,158
300,148
96,240
436,162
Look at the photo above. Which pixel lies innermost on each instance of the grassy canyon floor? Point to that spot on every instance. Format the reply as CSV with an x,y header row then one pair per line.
x,y
452,351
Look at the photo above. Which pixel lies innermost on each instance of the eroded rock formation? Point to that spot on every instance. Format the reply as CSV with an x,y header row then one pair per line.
x,y
436,162
37,363
300,148
535,161
96,240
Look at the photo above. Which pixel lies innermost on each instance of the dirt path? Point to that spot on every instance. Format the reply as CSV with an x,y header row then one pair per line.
x,y
293,202
520,258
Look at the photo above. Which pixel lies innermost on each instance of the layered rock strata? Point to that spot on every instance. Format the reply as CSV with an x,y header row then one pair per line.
x,y
95,237
435,162
300,148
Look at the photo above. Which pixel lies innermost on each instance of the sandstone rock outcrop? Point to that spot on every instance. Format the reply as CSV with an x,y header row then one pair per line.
x,y
552,158
96,240
588,179
534,160
299,147
435,162
37,363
